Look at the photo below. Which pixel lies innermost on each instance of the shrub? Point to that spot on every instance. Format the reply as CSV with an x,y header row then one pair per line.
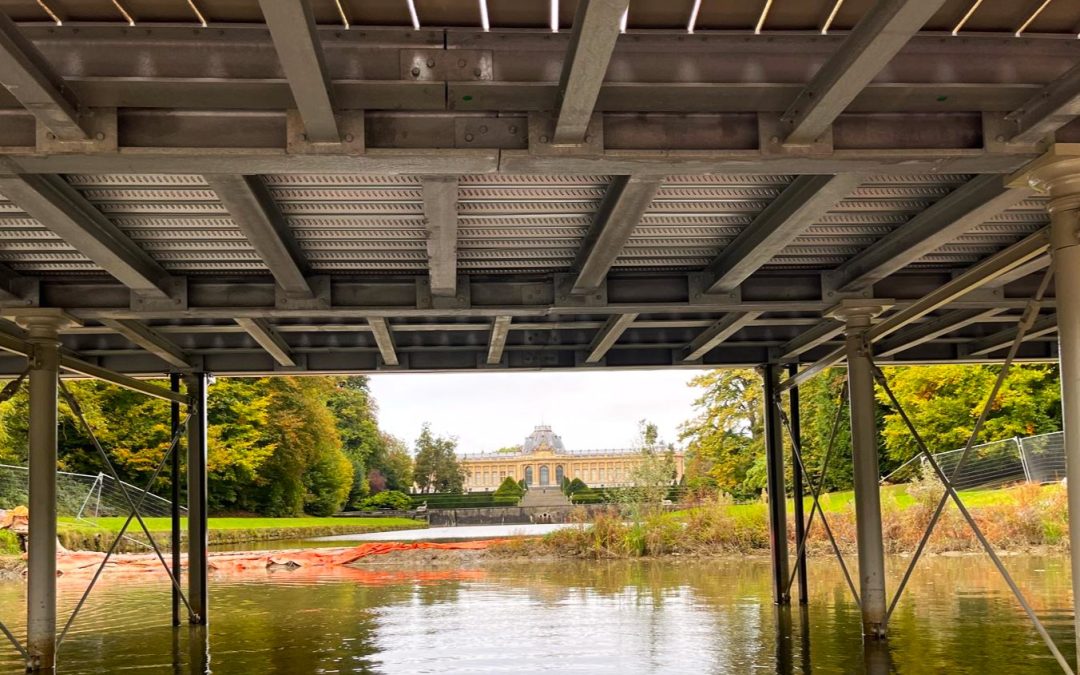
x,y
387,499
508,493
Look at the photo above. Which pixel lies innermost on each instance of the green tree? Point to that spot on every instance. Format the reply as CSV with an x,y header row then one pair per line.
x,y
396,464
363,444
508,492
437,468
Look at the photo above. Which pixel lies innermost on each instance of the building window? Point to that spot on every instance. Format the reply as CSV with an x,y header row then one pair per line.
x,y
545,478
559,475
528,475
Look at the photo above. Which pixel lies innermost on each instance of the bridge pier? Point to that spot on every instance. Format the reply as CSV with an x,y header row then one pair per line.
x,y
858,317
1058,173
774,465
198,537
41,540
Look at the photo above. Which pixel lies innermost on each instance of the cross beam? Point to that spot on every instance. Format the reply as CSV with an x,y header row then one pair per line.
x,y
31,80
269,339
596,28
59,207
441,219
1049,110
810,338
296,40
380,329
608,335
880,34
1004,338
254,211
799,206
720,331
933,329
500,329
624,204
152,341
968,206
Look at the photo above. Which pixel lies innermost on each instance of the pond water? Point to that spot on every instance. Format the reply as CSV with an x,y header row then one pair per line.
x,y
587,617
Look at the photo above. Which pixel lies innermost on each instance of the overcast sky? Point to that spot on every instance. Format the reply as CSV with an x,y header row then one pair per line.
x,y
487,411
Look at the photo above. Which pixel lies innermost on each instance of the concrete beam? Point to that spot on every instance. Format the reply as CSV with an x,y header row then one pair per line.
x,y
720,331
1049,110
876,39
608,335
296,39
31,80
624,204
152,341
59,207
500,329
441,219
968,206
262,332
380,329
254,211
596,28
799,206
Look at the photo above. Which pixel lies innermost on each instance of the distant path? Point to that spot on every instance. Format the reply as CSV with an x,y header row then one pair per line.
x,y
453,533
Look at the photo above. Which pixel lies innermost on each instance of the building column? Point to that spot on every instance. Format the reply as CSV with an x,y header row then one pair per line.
x,y
174,507
797,487
198,537
774,466
41,542
1058,173
858,317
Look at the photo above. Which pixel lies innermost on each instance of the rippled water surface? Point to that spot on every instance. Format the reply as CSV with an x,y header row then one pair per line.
x,y
587,617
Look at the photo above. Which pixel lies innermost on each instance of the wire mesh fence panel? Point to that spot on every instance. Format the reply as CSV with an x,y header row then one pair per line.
x,y
1045,457
988,465
82,496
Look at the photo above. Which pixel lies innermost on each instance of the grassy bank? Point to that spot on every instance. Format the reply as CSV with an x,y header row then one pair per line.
x,y
83,536
1017,518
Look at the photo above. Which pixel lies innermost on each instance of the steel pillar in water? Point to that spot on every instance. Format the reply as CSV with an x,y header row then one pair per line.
x,y
858,316
198,538
774,465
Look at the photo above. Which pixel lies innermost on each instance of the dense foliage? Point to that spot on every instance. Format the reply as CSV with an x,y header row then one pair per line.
x,y
387,499
508,493
436,468
280,446
725,439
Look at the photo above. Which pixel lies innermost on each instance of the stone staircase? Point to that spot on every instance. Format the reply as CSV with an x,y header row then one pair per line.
x,y
544,497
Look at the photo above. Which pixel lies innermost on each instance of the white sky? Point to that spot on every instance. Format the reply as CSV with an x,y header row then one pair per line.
x,y
487,411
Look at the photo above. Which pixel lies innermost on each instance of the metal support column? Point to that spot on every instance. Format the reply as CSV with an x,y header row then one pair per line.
x,y
1058,173
174,480
196,495
774,464
797,488
858,318
41,544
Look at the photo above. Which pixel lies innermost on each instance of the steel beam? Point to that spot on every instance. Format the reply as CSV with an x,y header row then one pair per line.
x,y
596,28
1049,110
608,335
1045,325
254,211
268,338
380,330
296,39
864,450
150,340
720,331
876,39
197,492
500,329
59,207
810,338
441,220
42,501
932,329
31,80
625,202
777,494
799,206
965,208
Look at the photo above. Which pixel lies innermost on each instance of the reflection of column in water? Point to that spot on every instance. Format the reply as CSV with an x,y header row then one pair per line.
x,y
876,657
784,663
198,649
804,638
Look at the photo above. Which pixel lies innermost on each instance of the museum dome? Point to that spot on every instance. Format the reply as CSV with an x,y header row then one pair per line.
x,y
543,438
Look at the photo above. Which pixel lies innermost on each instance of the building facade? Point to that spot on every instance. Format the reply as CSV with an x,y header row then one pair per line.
x,y
544,460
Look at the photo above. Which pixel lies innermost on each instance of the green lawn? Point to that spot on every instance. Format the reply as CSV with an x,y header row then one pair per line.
x,y
218,524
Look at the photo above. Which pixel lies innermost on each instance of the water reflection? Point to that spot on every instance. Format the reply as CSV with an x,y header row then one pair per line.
x,y
595,617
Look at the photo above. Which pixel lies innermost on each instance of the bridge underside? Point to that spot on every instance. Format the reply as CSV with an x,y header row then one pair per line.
x,y
346,186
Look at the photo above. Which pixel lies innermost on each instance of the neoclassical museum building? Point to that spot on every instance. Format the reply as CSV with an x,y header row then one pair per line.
x,y
544,460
